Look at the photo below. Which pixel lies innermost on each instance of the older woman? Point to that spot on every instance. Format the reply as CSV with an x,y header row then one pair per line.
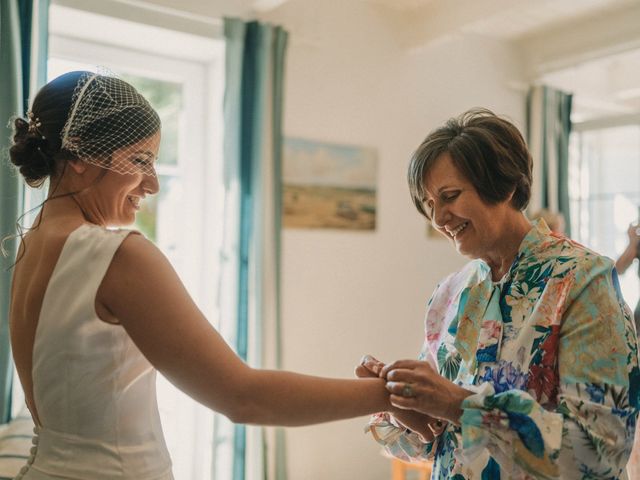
x,y
530,366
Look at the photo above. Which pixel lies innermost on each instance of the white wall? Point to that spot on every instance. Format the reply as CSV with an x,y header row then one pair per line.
x,y
348,293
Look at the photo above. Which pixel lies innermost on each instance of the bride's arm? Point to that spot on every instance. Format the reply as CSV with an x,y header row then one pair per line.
x,y
144,293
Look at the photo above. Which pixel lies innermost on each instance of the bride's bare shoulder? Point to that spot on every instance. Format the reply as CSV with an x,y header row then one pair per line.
x,y
136,258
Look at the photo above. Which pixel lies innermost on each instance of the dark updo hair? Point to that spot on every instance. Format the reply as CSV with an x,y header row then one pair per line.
x,y
37,151
489,152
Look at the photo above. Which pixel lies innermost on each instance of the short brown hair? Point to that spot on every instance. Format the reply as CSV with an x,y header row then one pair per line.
x,y
488,150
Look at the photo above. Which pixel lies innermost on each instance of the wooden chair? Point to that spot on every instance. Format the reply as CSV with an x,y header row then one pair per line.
x,y
399,469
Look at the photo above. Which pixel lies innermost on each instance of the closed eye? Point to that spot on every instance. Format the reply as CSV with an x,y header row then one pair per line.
x,y
143,162
449,196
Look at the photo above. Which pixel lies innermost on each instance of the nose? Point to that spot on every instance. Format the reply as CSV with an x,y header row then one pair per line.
x,y
440,215
151,184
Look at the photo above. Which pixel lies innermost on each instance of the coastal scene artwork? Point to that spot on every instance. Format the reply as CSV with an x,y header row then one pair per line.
x,y
328,185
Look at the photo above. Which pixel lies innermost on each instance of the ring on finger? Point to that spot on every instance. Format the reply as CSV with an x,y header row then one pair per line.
x,y
407,391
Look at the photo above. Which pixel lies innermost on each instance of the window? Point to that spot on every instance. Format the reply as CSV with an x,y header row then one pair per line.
x,y
605,191
604,153
181,75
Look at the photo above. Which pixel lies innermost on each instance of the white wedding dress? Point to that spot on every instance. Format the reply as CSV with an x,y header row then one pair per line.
x,y
94,391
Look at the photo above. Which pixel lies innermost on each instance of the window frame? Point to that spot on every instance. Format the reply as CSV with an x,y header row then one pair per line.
x,y
197,63
581,211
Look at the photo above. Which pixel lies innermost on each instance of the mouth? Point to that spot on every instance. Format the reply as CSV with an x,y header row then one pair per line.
x,y
458,230
134,201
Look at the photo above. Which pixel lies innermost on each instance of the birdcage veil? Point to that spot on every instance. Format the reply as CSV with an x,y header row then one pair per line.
x,y
108,114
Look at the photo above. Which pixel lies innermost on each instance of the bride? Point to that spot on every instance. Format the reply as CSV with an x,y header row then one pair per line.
x,y
95,311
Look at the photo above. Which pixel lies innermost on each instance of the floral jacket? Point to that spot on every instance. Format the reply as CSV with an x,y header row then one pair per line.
x,y
551,354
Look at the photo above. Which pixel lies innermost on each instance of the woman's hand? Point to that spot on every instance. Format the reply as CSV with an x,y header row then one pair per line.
x,y
415,385
424,425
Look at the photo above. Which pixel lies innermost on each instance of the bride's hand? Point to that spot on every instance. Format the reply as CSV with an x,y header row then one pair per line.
x,y
369,366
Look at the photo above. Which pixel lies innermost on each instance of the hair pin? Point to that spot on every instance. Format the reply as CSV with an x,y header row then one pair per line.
x,y
34,124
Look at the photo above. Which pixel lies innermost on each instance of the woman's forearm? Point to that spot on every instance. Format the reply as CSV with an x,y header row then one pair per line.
x,y
270,397
625,260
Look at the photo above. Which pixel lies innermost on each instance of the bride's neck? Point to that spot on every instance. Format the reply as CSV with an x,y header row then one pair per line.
x,y
59,204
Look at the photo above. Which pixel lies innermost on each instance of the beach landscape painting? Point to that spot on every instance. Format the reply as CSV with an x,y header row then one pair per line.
x,y
328,185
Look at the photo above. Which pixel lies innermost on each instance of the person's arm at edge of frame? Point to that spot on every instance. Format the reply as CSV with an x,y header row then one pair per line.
x,y
627,257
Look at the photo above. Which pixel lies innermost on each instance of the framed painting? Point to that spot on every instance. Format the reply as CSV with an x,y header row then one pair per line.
x,y
329,185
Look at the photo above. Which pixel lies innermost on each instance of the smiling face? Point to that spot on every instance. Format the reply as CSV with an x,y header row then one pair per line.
x,y
458,212
113,198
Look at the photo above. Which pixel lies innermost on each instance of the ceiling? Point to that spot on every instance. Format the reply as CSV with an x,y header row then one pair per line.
x,y
499,18
606,83
508,19
603,87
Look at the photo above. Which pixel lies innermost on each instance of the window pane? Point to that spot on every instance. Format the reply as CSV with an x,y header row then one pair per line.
x,y
613,155
605,194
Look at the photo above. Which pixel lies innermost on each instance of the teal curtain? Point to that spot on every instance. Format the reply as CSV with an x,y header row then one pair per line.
x,y
548,130
254,72
23,47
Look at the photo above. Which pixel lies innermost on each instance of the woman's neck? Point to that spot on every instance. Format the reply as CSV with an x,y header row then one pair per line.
x,y
60,205
507,246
